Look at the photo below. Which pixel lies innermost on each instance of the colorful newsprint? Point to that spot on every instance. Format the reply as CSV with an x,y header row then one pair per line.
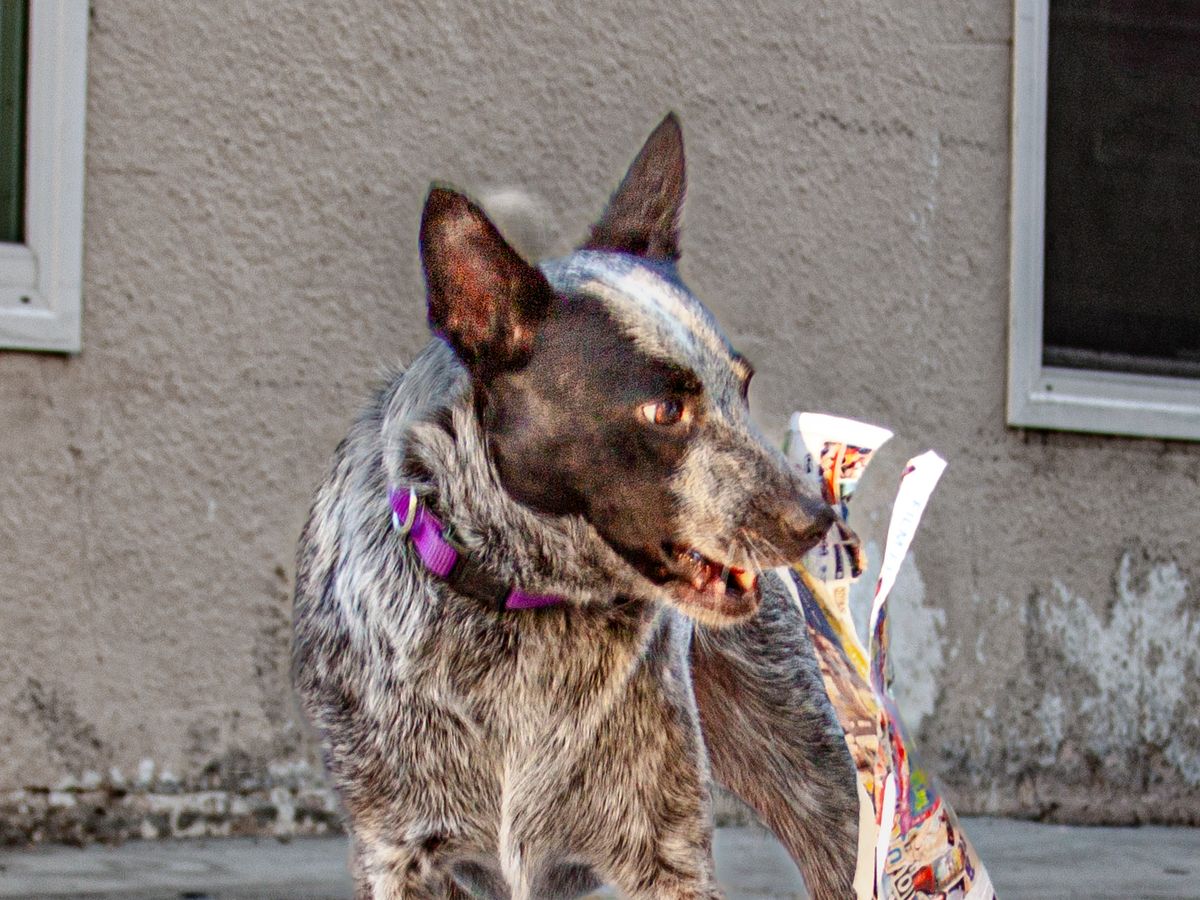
x,y
911,846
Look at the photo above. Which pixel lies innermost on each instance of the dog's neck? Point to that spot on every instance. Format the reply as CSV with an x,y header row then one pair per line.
x,y
433,442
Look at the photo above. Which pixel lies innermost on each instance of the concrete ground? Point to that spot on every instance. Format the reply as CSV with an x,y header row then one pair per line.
x,y
1025,860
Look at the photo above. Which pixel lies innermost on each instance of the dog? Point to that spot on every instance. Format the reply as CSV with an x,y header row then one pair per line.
x,y
535,615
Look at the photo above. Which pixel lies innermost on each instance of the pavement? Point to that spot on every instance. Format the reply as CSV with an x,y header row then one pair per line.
x,y
1024,859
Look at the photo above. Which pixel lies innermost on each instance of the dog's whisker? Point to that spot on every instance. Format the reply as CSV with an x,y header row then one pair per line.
x,y
759,563
772,551
753,554
748,547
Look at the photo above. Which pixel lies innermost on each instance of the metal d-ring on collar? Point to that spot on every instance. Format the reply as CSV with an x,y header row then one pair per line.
x,y
410,514
432,541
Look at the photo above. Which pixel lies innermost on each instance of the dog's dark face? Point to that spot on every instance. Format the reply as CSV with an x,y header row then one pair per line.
x,y
607,391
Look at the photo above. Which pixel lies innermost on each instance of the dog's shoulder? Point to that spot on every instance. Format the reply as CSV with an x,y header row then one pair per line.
x,y
365,459
345,552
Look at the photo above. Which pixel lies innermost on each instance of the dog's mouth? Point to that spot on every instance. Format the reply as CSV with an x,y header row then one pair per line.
x,y
708,589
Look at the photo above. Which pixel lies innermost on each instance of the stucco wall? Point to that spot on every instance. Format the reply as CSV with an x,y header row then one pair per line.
x,y
254,176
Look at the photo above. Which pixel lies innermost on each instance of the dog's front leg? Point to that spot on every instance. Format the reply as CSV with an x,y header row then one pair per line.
x,y
774,741
633,799
401,872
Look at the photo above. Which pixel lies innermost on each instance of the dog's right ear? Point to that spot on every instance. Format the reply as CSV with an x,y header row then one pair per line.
x,y
484,299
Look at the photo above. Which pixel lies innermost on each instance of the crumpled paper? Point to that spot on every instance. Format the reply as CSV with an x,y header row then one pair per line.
x,y
911,846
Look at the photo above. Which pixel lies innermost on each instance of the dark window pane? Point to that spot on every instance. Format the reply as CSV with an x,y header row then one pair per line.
x,y
1122,283
13,22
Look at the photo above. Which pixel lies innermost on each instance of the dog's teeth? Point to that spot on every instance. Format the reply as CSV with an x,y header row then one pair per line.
x,y
746,580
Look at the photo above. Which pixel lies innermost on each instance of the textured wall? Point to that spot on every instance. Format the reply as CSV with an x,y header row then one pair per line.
x,y
254,176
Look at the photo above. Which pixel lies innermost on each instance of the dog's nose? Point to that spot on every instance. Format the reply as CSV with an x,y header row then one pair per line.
x,y
807,521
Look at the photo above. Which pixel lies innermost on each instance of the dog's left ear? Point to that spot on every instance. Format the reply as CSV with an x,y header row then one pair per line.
x,y
642,217
484,299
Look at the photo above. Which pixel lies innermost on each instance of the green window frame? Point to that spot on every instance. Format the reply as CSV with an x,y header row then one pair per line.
x,y
14,56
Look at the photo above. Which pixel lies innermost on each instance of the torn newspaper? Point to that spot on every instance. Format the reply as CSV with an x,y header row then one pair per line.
x,y
911,846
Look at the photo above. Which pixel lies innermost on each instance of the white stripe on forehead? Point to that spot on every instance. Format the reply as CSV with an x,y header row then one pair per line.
x,y
656,311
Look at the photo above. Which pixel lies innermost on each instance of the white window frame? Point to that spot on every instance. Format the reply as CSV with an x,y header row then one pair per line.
x,y
1051,397
41,283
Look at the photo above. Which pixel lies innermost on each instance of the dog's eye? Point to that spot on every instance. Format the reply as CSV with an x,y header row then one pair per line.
x,y
671,411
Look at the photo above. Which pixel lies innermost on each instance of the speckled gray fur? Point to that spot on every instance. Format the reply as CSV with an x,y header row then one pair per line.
x,y
527,755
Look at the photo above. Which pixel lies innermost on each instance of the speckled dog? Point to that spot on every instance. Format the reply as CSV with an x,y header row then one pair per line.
x,y
533,615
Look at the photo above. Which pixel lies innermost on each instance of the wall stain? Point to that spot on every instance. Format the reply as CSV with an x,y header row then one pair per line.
x,y
70,738
1097,722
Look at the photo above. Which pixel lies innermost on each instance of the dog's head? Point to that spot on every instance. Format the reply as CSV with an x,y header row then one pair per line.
x,y
606,390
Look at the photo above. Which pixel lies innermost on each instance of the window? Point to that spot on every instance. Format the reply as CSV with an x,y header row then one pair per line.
x,y
1105,290
43,47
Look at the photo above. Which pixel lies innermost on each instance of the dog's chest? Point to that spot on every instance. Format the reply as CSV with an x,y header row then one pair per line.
x,y
528,676
547,699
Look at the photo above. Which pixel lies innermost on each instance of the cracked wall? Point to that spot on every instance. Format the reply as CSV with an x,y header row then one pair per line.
x,y
254,177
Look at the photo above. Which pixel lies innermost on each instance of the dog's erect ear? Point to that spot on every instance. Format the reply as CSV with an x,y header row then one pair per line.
x,y
484,299
643,215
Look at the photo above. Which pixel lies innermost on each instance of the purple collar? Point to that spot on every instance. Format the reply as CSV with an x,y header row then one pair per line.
x,y
428,536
